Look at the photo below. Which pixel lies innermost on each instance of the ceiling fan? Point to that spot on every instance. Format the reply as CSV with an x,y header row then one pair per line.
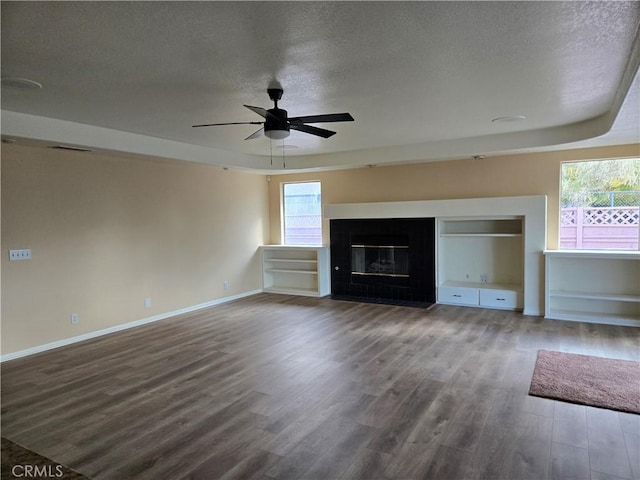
x,y
277,124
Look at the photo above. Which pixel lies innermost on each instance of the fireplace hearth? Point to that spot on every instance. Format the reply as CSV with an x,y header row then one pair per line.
x,y
384,260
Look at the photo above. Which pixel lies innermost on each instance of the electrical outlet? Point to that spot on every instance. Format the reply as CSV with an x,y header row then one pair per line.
x,y
483,278
22,254
225,284
147,302
74,318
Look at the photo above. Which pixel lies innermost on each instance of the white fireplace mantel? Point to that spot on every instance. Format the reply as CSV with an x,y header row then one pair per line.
x,y
533,210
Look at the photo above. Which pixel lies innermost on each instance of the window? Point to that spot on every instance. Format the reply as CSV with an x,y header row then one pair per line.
x,y
301,213
600,204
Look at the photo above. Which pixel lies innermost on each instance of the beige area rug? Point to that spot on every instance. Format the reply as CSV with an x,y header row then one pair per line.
x,y
594,381
19,462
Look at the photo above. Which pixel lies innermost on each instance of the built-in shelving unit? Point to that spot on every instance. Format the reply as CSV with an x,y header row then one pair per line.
x,y
593,286
481,262
296,270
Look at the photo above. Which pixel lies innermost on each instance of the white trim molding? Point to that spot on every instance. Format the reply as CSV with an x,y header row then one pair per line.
x,y
124,326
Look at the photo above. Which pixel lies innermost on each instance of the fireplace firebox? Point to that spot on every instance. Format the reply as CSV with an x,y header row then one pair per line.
x,y
384,260
380,260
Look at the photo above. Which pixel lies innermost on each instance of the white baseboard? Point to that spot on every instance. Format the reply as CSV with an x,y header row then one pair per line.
x,y
117,328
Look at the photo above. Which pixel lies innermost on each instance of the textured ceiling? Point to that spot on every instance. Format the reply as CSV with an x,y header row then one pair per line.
x,y
422,79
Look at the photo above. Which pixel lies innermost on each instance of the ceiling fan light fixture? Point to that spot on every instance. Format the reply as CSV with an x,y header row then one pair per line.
x,y
276,134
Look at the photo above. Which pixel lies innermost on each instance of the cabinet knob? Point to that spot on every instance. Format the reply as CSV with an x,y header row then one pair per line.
x,y
336,268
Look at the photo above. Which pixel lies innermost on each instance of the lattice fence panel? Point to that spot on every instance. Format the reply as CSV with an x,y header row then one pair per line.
x,y
611,216
568,216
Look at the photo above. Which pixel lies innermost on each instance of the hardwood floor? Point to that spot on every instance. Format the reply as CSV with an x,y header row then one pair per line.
x,y
280,387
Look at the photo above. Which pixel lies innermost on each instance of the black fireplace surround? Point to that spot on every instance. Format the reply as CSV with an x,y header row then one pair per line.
x,y
384,260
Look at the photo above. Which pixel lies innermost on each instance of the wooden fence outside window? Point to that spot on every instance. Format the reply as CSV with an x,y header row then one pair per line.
x,y
600,228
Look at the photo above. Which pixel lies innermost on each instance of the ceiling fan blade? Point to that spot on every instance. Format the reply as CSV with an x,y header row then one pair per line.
x,y
257,134
229,123
320,132
259,110
330,117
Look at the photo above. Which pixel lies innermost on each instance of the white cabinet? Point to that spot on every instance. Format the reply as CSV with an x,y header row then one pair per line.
x,y
487,295
458,294
296,270
593,286
496,298
481,262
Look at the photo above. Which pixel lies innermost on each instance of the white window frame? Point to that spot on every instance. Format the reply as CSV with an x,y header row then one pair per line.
x,y
560,208
282,211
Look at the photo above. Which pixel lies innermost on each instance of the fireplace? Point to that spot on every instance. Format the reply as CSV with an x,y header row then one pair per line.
x,y
384,260
380,260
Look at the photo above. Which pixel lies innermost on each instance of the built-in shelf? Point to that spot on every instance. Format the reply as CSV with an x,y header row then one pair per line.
x,y
588,317
296,270
595,296
487,285
289,260
481,262
285,270
481,226
481,235
303,292
593,286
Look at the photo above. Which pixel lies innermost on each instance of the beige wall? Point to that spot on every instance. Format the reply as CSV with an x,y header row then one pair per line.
x,y
106,232
514,175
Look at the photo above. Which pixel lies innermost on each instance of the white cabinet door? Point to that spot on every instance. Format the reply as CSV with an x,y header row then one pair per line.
x,y
499,298
458,295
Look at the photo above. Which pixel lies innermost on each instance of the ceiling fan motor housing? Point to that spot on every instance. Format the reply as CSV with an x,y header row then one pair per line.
x,y
275,94
277,120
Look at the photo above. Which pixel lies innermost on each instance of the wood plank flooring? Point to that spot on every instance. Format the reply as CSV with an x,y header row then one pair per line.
x,y
280,387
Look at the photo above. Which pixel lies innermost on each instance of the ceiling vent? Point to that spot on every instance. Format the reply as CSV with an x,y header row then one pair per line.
x,y
72,148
